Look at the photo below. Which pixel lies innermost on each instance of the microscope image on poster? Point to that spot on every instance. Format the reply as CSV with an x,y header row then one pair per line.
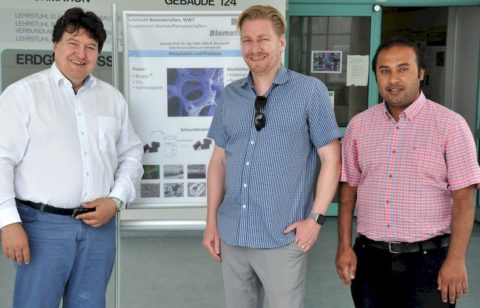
x,y
172,172
192,91
151,172
150,190
197,189
173,190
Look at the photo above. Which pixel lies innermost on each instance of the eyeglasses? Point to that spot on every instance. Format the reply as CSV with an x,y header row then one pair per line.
x,y
260,118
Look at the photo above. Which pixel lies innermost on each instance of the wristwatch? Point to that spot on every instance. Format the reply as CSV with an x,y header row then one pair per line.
x,y
317,217
119,204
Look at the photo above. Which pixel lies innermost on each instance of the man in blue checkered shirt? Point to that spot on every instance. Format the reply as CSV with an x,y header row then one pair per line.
x,y
270,129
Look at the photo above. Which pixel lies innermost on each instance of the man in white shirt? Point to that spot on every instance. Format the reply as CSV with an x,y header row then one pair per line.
x,y
69,161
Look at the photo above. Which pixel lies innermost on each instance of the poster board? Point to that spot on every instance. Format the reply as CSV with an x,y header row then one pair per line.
x,y
176,66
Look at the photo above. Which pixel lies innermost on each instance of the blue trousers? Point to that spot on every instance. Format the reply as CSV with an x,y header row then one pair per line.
x,y
69,260
406,280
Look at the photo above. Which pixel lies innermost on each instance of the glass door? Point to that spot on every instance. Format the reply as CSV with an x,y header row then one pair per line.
x,y
335,43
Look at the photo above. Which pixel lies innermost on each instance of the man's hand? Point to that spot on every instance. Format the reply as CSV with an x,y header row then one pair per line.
x,y
346,263
105,210
15,243
211,242
452,280
306,233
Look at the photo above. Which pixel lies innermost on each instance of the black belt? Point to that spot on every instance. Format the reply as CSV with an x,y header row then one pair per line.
x,y
401,247
52,209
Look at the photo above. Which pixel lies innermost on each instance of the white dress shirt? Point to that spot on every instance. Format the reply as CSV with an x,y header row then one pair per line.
x,y
62,148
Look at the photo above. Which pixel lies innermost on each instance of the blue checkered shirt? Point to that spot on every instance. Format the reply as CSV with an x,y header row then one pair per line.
x,y
271,173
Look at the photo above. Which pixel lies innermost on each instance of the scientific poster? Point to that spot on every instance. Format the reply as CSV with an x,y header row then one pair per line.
x,y
177,65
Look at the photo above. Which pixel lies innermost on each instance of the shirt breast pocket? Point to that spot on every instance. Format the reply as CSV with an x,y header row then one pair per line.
x,y
107,134
427,159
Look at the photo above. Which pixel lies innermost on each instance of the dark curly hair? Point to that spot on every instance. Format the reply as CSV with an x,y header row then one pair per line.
x,y
75,18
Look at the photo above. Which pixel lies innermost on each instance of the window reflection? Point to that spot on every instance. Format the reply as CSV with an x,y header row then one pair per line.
x,y
316,39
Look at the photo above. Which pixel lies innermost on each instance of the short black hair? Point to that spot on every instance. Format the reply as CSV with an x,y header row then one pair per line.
x,y
75,18
400,42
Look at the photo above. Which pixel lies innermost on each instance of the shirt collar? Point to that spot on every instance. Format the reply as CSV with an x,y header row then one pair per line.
x,y
412,110
280,78
59,78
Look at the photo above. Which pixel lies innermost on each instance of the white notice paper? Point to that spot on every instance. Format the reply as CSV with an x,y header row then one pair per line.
x,y
331,94
357,70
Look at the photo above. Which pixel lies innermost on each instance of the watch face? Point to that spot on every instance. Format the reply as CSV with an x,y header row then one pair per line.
x,y
320,219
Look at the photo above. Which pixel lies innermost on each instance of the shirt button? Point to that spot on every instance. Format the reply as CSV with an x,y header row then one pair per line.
x,y
394,151
252,142
388,226
79,114
85,153
398,127
388,201
87,174
248,163
244,206
390,176
83,133
244,185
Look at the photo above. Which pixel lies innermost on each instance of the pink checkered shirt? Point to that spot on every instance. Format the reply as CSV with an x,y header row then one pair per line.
x,y
405,171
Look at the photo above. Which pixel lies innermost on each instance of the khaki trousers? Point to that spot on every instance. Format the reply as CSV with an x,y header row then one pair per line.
x,y
252,274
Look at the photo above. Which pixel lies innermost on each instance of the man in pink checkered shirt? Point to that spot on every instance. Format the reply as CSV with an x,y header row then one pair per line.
x,y
409,168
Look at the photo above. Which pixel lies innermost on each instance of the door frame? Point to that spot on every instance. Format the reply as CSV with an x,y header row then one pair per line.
x,y
477,136
396,3
343,10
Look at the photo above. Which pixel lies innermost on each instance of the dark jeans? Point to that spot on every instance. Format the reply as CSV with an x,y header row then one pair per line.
x,y
386,280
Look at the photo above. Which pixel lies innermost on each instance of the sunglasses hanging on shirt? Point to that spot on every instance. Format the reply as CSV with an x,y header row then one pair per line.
x,y
260,119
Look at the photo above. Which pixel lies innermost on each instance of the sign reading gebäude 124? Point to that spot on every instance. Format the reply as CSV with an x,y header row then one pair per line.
x,y
202,2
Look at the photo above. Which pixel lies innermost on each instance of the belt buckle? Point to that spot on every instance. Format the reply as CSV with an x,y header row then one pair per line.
x,y
390,247
81,210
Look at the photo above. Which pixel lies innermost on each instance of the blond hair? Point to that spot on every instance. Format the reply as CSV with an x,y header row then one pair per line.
x,y
264,12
